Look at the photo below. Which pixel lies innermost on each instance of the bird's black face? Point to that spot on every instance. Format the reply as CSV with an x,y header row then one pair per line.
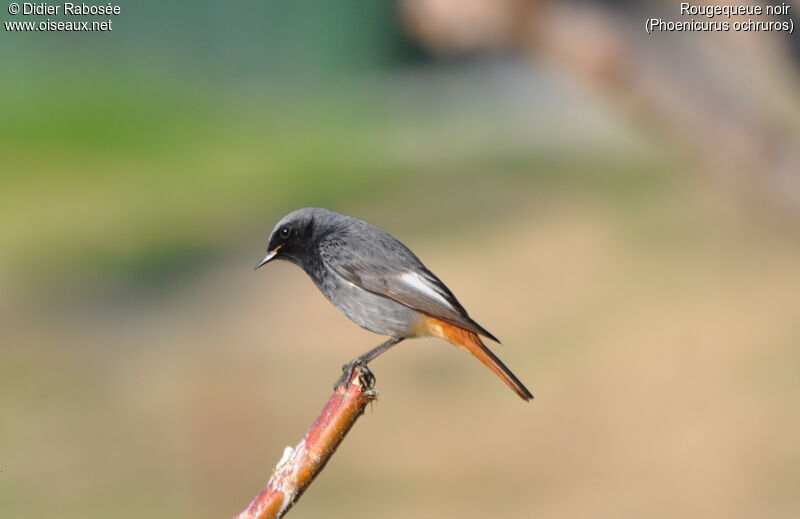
x,y
289,241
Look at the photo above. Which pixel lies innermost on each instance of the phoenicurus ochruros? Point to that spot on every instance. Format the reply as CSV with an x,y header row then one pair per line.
x,y
379,284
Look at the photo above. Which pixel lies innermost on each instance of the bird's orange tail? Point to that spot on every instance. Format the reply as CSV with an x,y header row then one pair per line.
x,y
473,344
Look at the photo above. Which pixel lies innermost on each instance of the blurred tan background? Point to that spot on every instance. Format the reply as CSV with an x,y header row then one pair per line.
x,y
620,209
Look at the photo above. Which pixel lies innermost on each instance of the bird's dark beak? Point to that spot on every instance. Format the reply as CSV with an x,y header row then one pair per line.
x,y
269,257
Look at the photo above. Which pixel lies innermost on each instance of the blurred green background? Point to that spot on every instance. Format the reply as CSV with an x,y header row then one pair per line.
x,y
638,262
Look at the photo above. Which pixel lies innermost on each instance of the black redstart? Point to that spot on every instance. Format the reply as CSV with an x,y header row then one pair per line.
x,y
379,284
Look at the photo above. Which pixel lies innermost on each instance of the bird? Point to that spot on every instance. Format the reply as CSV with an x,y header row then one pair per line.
x,y
377,282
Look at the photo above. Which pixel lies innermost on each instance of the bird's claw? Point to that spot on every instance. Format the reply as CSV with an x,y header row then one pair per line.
x,y
367,378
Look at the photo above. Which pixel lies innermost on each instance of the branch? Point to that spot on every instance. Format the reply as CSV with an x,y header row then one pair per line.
x,y
300,465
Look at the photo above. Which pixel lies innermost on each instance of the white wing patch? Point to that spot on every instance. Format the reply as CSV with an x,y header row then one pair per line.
x,y
419,283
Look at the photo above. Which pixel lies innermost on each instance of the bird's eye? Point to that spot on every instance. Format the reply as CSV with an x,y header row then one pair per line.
x,y
285,232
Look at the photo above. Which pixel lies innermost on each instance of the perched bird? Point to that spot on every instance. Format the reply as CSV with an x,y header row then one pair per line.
x,y
379,284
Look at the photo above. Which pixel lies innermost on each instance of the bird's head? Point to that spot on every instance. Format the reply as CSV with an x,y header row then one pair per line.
x,y
293,237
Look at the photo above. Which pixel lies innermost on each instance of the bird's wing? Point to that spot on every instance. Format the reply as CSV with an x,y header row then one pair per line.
x,y
398,274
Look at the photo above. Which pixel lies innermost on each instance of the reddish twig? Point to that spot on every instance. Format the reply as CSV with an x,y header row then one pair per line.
x,y
300,465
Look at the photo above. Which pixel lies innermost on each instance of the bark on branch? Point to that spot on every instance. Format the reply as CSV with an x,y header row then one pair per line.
x,y
300,465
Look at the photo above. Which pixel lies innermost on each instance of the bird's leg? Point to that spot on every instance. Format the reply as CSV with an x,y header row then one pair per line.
x,y
364,359
374,352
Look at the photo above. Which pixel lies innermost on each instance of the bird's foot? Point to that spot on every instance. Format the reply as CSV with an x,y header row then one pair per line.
x,y
367,378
